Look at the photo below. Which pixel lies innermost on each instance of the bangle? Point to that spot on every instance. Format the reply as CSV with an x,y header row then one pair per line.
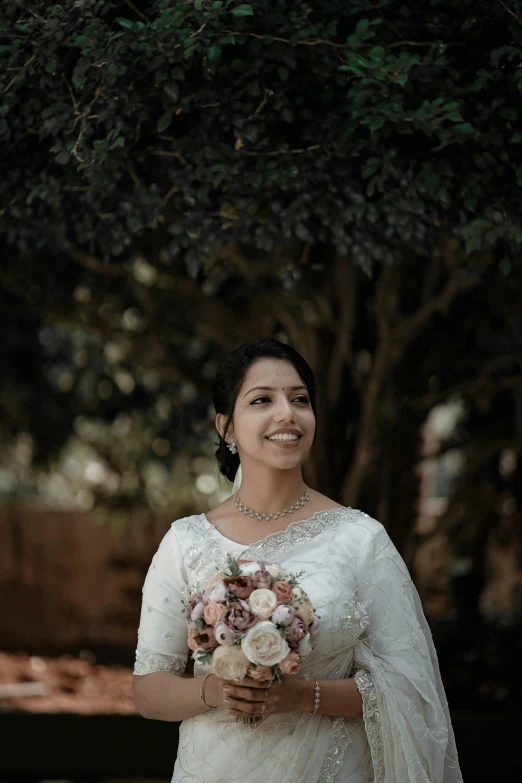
x,y
201,691
317,697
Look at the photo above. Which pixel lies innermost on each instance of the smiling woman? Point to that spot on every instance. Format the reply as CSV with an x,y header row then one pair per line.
x,y
367,703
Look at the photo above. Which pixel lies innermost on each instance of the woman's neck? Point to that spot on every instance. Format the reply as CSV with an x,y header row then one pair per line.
x,y
269,494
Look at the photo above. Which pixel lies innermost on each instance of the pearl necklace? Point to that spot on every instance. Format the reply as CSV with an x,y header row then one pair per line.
x,y
249,512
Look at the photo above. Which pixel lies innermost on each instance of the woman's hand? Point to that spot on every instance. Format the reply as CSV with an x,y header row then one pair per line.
x,y
246,697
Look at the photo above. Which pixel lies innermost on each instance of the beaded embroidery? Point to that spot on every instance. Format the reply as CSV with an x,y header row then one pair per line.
x,y
148,662
205,556
372,721
340,738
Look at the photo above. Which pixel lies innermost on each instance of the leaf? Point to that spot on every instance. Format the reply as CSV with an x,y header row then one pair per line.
x,y
126,23
172,90
62,158
164,122
370,169
243,10
213,52
465,127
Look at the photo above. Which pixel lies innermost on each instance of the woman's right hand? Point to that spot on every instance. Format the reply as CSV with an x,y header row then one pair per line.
x,y
215,696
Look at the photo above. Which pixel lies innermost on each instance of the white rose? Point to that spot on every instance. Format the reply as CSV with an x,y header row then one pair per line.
x,y
283,615
218,577
262,602
275,570
247,569
263,644
217,593
197,612
230,662
223,634
305,646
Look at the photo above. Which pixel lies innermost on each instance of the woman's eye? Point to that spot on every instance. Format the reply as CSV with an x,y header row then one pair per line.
x,y
302,398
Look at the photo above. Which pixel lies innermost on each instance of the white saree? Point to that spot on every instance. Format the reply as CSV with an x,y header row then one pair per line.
x,y
372,628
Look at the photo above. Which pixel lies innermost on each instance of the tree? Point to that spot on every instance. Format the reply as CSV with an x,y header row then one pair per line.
x,y
182,177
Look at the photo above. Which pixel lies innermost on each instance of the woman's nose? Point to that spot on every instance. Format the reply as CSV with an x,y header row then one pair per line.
x,y
284,410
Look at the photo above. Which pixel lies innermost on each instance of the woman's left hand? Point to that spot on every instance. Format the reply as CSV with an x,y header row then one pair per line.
x,y
292,694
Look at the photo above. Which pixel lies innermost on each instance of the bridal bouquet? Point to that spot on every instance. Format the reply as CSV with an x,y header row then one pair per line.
x,y
252,619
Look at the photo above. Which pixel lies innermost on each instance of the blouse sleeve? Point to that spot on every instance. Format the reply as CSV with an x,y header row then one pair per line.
x,y
162,634
405,709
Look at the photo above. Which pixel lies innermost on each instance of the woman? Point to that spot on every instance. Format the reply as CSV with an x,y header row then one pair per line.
x,y
368,704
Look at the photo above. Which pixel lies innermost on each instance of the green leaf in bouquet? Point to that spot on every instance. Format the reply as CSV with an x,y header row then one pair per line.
x,y
277,673
293,579
233,566
202,656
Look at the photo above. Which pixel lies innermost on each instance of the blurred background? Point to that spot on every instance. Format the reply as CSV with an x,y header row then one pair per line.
x,y
177,181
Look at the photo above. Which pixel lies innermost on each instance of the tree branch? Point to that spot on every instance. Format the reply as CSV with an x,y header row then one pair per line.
x,y
95,265
345,285
478,385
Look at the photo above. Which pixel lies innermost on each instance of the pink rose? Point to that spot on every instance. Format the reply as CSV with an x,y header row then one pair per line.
x,y
291,664
204,639
297,631
302,605
214,613
262,580
191,638
283,592
260,672
239,618
240,585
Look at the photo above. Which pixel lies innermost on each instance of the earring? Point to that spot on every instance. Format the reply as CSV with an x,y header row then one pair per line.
x,y
232,445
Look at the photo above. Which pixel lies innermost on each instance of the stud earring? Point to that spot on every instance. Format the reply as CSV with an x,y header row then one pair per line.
x,y
232,445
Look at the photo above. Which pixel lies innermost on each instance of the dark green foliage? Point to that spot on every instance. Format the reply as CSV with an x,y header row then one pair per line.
x,y
366,126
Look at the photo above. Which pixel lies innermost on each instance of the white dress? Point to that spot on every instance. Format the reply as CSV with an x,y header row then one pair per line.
x,y
372,628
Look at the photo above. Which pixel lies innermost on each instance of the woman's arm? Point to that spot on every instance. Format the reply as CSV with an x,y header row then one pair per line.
x,y
170,697
339,698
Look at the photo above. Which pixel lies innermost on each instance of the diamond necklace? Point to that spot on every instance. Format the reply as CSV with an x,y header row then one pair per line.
x,y
249,512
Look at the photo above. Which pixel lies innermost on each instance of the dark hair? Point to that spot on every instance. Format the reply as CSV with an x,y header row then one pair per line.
x,y
230,376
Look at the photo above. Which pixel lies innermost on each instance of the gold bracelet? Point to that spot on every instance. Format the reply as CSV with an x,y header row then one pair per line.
x,y
201,692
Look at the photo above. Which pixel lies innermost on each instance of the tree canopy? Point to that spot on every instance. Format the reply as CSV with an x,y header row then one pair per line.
x,y
180,177
371,127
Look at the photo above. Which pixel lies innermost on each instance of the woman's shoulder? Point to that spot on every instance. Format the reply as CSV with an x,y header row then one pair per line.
x,y
181,530
360,528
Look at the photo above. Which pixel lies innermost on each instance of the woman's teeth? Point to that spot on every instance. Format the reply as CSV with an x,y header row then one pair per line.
x,y
284,437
